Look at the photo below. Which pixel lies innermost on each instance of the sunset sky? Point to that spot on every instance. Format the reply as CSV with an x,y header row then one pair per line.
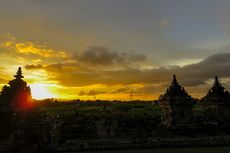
x,y
106,49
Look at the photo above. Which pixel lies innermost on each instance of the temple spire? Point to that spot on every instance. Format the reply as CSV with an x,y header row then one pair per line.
x,y
217,83
174,79
19,74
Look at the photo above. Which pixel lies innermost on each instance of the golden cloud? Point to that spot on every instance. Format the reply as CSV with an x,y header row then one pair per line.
x,y
30,48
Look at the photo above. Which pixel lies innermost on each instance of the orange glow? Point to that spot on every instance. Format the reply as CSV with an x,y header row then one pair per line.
x,y
22,102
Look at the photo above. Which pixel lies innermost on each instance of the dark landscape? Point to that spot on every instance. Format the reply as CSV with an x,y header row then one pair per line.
x,y
175,120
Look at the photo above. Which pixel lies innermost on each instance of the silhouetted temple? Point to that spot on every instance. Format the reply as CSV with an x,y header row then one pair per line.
x,y
176,105
16,95
217,103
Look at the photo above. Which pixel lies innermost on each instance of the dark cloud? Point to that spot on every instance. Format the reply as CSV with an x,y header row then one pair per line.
x,y
121,90
103,57
90,93
199,73
100,56
33,66
93,59
222,58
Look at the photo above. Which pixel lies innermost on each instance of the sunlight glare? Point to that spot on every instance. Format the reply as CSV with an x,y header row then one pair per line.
x,y
40,91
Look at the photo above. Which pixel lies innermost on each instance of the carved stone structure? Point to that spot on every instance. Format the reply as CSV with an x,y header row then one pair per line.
x,y
176,106
16,95
217,104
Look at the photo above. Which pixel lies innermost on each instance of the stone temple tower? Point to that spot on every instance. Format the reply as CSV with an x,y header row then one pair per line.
x,y
176,106
217,104
16,96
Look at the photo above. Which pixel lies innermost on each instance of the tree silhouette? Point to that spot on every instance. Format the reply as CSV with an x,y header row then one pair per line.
x,y
16,96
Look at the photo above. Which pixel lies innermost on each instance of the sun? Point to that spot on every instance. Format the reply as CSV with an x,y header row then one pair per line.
x,y
40,91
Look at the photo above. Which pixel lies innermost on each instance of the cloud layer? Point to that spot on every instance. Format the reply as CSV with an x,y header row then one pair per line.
x,y
87,70
100,56
116,71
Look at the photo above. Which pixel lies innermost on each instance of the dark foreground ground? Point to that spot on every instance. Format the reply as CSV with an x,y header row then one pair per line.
x,y
169,150
67,127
